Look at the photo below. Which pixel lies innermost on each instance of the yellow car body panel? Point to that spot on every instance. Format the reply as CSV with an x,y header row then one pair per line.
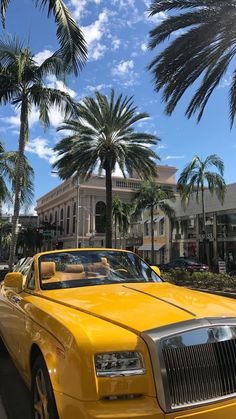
x,y
70,326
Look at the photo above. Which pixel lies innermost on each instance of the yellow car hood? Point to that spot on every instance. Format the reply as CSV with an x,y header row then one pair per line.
x,y
143,306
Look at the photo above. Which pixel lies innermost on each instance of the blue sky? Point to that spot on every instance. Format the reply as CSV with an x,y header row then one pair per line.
x,y
117,35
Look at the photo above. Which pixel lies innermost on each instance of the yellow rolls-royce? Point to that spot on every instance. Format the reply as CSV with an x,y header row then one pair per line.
x,y
97,334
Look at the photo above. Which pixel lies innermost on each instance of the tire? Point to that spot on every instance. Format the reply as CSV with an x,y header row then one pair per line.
x,y
42,395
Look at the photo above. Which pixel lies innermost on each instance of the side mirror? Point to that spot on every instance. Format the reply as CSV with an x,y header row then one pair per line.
x,y
14,280
156,270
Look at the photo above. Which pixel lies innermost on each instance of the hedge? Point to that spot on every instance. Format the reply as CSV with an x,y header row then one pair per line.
x,y
203,280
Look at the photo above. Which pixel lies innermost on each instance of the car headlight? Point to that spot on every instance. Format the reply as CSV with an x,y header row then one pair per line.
x,y
119,363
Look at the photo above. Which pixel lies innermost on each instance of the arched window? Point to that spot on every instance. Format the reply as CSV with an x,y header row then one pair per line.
x,y
50,218
74,216
61,221
55,222
100,219
68,220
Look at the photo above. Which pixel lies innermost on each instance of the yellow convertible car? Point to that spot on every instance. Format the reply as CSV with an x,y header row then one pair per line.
x,y
97,334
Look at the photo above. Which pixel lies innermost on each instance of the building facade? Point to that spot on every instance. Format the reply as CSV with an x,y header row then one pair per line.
x,y
186,234
85,201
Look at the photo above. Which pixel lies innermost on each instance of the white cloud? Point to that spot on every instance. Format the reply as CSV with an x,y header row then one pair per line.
x,y
123,3
173,158
123,68
115,43
124,72
158,18
98,87
144,46
14,120
78,7
54,83
40,147
93,34
97,51
41,56
226,81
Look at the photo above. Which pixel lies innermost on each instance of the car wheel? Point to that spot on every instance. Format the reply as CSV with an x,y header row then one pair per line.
x,y
42,398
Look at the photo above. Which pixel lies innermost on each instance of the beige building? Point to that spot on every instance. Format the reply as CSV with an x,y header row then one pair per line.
x,y
84,201
187,234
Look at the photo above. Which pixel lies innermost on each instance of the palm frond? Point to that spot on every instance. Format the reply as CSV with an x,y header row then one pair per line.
x,y
202,51
3,6
73,48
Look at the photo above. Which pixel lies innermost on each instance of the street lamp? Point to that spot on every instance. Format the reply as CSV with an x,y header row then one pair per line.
x,y
91,213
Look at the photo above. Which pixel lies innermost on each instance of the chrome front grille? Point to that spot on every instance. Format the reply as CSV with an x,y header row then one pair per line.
x,y
200,372
194,362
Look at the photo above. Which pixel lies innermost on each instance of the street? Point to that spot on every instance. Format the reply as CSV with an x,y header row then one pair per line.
x,y
14,396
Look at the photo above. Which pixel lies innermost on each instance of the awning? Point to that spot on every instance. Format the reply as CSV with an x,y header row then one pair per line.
x,y
157,247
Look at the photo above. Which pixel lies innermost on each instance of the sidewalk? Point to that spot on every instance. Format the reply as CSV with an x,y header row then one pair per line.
x,y
2,410
14,396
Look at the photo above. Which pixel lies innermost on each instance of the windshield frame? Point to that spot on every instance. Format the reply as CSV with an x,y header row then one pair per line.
x,y
77,283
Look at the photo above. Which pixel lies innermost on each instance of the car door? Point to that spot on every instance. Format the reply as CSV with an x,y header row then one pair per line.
x,y
20,336
12,308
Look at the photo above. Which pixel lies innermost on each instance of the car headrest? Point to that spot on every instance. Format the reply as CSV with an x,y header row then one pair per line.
x,y
74,268
48,269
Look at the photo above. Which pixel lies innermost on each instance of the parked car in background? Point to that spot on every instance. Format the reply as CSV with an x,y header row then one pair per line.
x,y
96,333
4,269
184,263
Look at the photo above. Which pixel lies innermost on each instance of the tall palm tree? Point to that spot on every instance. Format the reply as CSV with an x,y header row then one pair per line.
x,y
102,137
196,177
22,85
127,217
203,46
8,164
73,48
117,212
151,196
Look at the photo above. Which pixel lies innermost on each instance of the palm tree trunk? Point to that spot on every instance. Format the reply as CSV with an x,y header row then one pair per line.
x,y
115,231
108,205
152,236
205,241
24,129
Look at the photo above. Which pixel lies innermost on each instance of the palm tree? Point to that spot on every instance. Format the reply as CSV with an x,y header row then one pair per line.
x,y
22,85
8,164
102,137
152,196
127,217
203,46
73,48
194,179
117,212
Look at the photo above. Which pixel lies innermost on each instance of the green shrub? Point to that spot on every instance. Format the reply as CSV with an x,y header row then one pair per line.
x,y
203,280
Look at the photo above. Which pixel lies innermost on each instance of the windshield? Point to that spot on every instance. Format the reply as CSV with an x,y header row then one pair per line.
x,y
70,269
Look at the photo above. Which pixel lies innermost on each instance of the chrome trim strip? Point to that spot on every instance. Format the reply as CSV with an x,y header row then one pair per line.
x,y
224,327
124,373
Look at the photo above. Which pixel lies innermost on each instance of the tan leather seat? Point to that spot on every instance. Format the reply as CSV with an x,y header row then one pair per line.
x,y
48,270
75,271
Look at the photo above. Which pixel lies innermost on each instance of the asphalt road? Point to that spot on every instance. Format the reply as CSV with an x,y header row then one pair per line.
x,y
14,396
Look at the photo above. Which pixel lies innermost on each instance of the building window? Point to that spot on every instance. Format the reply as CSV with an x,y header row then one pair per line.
x,y
74,217
68,220
50,218
55,222
100,219
146,229
61,221
161,227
